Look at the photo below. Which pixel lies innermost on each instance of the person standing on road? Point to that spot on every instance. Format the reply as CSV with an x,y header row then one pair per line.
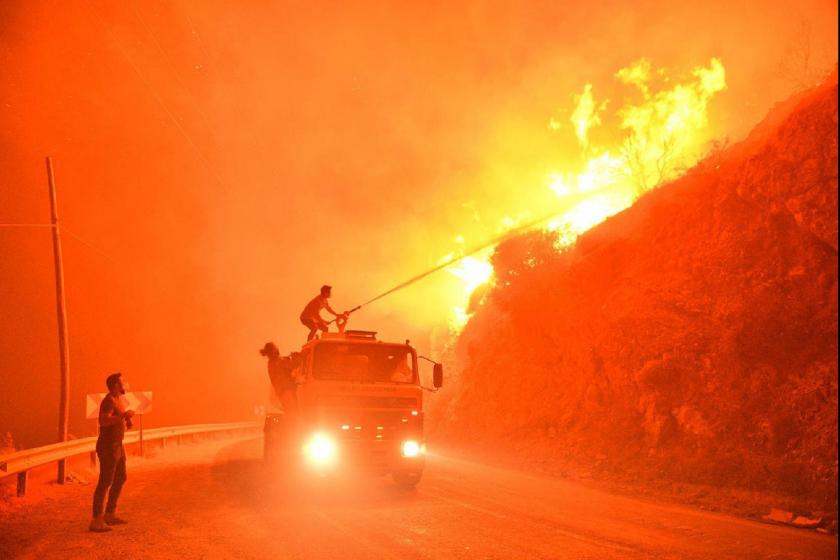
x,y
113,421
311,314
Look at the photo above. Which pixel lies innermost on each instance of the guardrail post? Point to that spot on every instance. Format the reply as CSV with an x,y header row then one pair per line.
x,y
21,484
93,459
62,469
140,421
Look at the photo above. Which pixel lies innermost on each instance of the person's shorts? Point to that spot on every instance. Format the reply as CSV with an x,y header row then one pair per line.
x,y
312,324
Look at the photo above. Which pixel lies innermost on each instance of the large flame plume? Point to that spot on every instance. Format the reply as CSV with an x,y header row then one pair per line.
x,y
662,130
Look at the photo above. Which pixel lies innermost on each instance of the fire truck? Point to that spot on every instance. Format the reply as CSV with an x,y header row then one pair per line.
x,y
360,407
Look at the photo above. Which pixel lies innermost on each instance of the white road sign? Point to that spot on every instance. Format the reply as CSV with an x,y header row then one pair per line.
x,y
138,401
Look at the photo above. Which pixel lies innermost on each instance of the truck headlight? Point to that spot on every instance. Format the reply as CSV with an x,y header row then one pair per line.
x,y
411,448
320,449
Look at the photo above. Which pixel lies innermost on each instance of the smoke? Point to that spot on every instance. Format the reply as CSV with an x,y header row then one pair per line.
x,y
217,163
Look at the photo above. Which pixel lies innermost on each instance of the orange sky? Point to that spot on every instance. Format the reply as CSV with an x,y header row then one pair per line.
x,y
222,161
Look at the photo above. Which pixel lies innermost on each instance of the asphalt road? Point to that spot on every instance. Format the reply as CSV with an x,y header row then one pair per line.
x,y
217,500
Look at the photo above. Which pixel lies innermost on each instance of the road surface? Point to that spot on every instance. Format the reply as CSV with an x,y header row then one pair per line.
x,y
217,500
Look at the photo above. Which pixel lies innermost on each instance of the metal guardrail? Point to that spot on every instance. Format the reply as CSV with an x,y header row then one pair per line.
x,y
20,462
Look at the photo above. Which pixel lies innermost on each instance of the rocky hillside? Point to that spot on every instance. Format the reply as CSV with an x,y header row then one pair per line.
x,y
688,342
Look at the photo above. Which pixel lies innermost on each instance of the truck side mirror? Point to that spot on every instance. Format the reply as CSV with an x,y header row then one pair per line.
x,y
437,376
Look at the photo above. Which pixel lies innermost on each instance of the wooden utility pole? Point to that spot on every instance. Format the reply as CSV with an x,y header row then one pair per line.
x,y
61,305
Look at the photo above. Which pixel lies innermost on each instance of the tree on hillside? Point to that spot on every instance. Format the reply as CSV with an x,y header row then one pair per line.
x,y
647,173
516,256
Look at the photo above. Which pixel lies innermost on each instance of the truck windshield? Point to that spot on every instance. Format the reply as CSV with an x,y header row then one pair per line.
x,y
389,363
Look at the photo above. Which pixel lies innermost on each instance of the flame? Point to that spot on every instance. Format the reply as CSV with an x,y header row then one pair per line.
x,y
585,115
637,74
661,134
592,212
473,271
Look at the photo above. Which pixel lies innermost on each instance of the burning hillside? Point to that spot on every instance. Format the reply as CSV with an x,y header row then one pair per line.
x,y
659,130
689,341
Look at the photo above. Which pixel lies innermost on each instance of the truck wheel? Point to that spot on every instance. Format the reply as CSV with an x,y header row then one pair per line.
x,y
274,439
407,479
269,452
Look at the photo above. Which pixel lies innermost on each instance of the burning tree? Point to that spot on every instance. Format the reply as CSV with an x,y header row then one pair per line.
x,y
665,129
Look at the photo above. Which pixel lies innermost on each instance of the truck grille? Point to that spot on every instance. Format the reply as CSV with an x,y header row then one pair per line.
x,y
345,401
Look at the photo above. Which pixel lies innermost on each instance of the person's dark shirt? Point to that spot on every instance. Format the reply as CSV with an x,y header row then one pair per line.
x,y
280,374
114,433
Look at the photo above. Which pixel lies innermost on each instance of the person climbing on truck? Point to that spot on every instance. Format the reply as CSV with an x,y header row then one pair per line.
x,y
311,314
280,374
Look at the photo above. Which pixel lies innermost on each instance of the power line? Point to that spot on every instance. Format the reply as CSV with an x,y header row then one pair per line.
x,y
91,246
64,229
204,160
174,70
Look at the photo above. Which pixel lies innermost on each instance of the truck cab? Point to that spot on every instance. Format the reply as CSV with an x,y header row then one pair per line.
x,y
360,406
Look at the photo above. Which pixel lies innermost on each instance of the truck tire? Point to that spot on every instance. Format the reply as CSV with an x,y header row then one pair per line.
x,y
269,453
273,439
407,479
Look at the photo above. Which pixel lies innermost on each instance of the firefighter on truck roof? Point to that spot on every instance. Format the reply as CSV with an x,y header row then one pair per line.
x,y
311,314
